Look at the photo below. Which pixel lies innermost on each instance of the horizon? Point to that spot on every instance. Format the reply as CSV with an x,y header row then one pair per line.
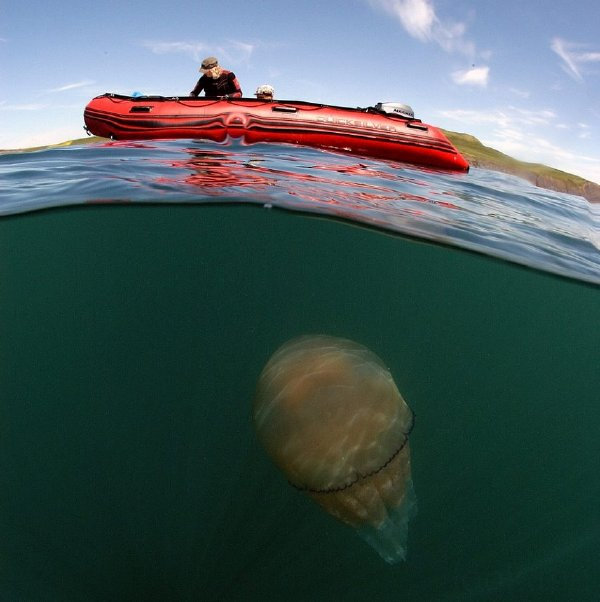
x,y
523,82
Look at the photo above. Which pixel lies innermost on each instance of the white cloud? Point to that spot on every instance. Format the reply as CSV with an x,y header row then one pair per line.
x,y
520,93
476,76
537,149
419,19
31,106
234,52
589,57
584,131
559,46
504,118
416,16
541,150
73,86
196,50
514,131
243,49
573,59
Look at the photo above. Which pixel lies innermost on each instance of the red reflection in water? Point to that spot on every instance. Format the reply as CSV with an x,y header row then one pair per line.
x,y
217,172
218,169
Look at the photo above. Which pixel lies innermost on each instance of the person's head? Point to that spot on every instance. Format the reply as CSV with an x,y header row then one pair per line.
x,y
210,67
265,92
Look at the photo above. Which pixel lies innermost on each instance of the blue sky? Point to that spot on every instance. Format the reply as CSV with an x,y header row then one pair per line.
x,y
523,77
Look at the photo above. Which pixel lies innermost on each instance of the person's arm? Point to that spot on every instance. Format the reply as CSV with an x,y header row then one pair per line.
x,y
199,87
234,87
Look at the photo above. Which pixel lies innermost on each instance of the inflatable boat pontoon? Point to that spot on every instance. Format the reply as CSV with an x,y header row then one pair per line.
x,y
383,131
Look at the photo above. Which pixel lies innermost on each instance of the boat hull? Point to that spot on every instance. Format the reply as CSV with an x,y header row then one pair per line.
x,y
359,131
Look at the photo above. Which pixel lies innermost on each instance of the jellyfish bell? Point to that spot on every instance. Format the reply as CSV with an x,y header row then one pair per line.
x,y
330,416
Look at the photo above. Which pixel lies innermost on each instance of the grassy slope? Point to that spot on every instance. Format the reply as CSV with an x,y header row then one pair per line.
x,y
86,140
477,155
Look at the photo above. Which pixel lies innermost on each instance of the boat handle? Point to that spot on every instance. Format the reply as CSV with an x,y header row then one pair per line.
x,y
285,109
143,109
416,126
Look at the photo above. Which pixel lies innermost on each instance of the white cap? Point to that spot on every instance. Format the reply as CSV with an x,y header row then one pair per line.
x,y
265,89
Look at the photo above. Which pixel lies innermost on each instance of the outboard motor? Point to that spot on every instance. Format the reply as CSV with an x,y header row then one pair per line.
x,y
396,108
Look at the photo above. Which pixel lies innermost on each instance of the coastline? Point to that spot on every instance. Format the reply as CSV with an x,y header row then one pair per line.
x,y
542,176
477,154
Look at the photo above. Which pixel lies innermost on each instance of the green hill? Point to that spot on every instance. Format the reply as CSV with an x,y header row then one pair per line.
x,y
477,155
543,176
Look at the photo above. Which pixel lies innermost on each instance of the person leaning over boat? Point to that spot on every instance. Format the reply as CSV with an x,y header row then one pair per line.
x,y
265,92
216,81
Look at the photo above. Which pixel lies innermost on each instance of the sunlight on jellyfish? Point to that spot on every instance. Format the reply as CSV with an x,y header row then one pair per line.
x,y
330,416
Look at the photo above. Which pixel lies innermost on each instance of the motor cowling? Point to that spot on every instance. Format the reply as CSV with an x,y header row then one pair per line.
x,y
396,108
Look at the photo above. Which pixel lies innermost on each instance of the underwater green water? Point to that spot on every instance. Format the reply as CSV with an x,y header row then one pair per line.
x,y
131,340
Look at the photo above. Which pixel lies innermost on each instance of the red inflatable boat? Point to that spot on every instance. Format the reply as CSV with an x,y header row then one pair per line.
x,y
385,131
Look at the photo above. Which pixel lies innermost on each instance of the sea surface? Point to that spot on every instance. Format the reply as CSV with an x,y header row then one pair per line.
x,y
483,211
143,287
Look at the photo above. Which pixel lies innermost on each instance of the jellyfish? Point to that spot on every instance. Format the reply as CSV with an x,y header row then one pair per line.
x,y
331,418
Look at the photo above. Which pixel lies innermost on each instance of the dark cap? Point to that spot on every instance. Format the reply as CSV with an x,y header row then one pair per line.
x,y
209,62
